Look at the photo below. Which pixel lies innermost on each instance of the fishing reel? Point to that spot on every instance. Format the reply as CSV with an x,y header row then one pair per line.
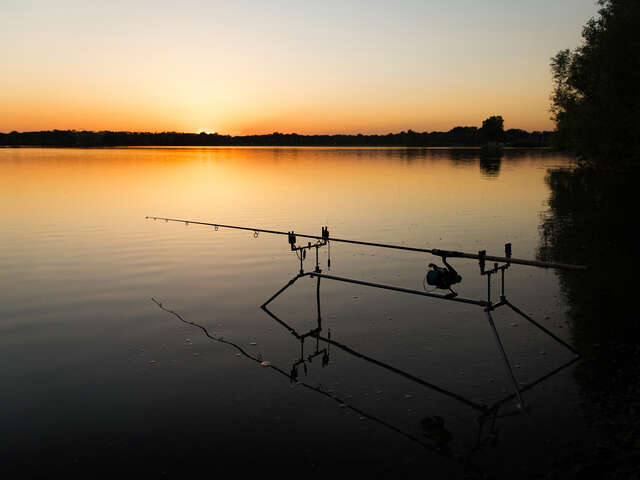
x,y
442,277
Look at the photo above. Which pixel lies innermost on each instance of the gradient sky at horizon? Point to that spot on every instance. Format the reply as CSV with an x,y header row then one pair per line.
x,y
255,67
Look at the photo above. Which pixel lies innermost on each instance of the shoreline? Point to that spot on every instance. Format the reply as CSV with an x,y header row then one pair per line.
x,y
368,147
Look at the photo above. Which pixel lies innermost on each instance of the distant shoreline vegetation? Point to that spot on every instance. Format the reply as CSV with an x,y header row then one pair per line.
x,y
456,137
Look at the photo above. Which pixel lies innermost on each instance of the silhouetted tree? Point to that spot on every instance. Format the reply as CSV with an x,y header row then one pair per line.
x,y
493,128
595,101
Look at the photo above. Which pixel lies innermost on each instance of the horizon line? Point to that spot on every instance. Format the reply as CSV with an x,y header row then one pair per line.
x,y
275,132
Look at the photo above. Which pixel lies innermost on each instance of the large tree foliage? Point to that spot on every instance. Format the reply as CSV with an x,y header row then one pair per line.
x,y
493,128
596,95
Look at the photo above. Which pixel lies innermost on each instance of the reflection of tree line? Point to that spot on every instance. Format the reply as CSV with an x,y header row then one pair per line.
x,y
458,136
590,221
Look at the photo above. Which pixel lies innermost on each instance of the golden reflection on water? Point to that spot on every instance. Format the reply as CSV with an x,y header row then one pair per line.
x,y
356,190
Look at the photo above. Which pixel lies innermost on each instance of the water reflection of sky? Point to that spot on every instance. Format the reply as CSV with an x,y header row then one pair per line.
x,y
97,370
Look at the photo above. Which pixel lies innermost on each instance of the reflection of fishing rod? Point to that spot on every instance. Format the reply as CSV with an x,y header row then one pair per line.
x,y
433,251
437,449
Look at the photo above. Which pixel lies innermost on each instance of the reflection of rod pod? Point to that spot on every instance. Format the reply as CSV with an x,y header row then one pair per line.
x,y
468,465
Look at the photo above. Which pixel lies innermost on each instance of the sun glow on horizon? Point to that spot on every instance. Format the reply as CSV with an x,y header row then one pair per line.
x,y
256,67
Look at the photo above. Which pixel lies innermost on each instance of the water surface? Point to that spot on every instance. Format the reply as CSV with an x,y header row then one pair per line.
x,y
98,378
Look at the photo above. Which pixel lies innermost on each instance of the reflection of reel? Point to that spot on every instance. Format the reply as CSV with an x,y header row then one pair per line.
x,y
294,370
442,277
325,359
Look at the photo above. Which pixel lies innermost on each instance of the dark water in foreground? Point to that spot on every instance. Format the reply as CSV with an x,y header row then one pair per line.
x,y
96,377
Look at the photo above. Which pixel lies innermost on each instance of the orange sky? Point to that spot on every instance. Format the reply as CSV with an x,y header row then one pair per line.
x,y
257,67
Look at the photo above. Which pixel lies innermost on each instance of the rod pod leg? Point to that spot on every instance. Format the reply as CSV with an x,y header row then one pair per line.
x,y
318,300
289,283
505,358
536,324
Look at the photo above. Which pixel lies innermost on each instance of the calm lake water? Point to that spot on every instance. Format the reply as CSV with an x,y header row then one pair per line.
x,y
96,377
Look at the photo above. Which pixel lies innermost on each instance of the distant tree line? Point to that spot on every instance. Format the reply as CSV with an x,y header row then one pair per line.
x,y
456,137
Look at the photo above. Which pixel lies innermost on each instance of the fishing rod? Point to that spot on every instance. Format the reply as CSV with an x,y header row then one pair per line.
x,y
434,251
440,277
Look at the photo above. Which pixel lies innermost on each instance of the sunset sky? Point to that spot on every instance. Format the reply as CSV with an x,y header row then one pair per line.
x,y
246,66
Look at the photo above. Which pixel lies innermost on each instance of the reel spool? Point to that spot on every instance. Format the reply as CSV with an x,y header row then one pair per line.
x,y
442,277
